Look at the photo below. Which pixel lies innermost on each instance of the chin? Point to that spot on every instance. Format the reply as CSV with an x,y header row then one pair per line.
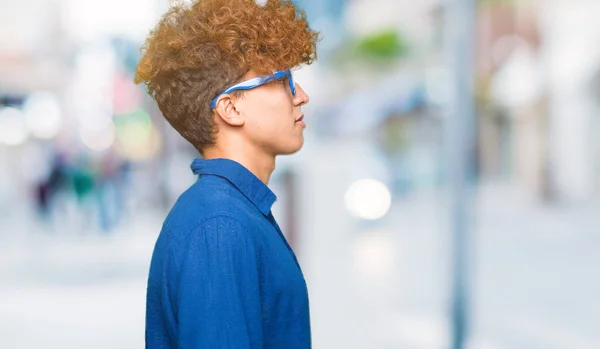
x,y
291,148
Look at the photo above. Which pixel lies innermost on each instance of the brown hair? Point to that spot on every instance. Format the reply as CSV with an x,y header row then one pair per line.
x,y
198,50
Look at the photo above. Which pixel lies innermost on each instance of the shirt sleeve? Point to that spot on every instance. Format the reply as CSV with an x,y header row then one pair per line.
x,y
218,290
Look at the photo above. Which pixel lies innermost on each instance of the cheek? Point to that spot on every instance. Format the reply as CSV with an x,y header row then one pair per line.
x,y
275,113
270,113
265,124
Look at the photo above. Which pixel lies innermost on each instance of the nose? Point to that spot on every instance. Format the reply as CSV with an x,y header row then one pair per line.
x,y
300,98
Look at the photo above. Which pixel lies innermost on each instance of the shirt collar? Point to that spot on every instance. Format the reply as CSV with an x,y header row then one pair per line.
x,y
244,180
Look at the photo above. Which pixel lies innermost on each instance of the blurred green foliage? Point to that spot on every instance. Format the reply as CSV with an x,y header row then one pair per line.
x,y
376,49
385,44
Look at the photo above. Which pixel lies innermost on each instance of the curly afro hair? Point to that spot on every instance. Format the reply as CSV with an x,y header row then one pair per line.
x,y
198,50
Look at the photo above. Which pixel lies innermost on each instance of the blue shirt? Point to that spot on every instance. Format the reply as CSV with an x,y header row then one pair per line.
x,y
222,274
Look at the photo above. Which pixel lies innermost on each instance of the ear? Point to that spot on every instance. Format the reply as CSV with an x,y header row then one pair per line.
x,y
226,110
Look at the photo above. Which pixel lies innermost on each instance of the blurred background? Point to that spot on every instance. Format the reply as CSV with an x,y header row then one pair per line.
x,y
404,243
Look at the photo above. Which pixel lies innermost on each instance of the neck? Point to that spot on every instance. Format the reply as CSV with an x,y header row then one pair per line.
x,y
260,164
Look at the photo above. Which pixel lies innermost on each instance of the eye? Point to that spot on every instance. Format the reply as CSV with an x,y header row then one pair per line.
x,y
284,82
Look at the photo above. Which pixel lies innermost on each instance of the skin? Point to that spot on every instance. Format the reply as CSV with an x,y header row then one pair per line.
x,y
259,125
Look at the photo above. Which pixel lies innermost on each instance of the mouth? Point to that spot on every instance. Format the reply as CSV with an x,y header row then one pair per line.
x,y
300,118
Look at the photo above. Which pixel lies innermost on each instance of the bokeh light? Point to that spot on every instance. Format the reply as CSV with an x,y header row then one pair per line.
x,y
98,136
13,129
137,138
374,255
368,199
43,115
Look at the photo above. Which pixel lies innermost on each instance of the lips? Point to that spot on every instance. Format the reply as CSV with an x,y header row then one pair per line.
x,y
300,118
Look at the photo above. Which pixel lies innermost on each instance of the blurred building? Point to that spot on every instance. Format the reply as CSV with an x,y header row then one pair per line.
x,y
537,106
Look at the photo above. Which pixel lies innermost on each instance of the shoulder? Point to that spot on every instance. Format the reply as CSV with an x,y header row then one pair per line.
x,y
209,211
223,229
216,247
218,238
204,200
215,230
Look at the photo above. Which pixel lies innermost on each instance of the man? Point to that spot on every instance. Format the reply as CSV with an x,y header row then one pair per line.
x,y
222,274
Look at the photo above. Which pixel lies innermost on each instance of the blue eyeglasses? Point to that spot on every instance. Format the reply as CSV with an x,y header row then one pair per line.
x,y
258,81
